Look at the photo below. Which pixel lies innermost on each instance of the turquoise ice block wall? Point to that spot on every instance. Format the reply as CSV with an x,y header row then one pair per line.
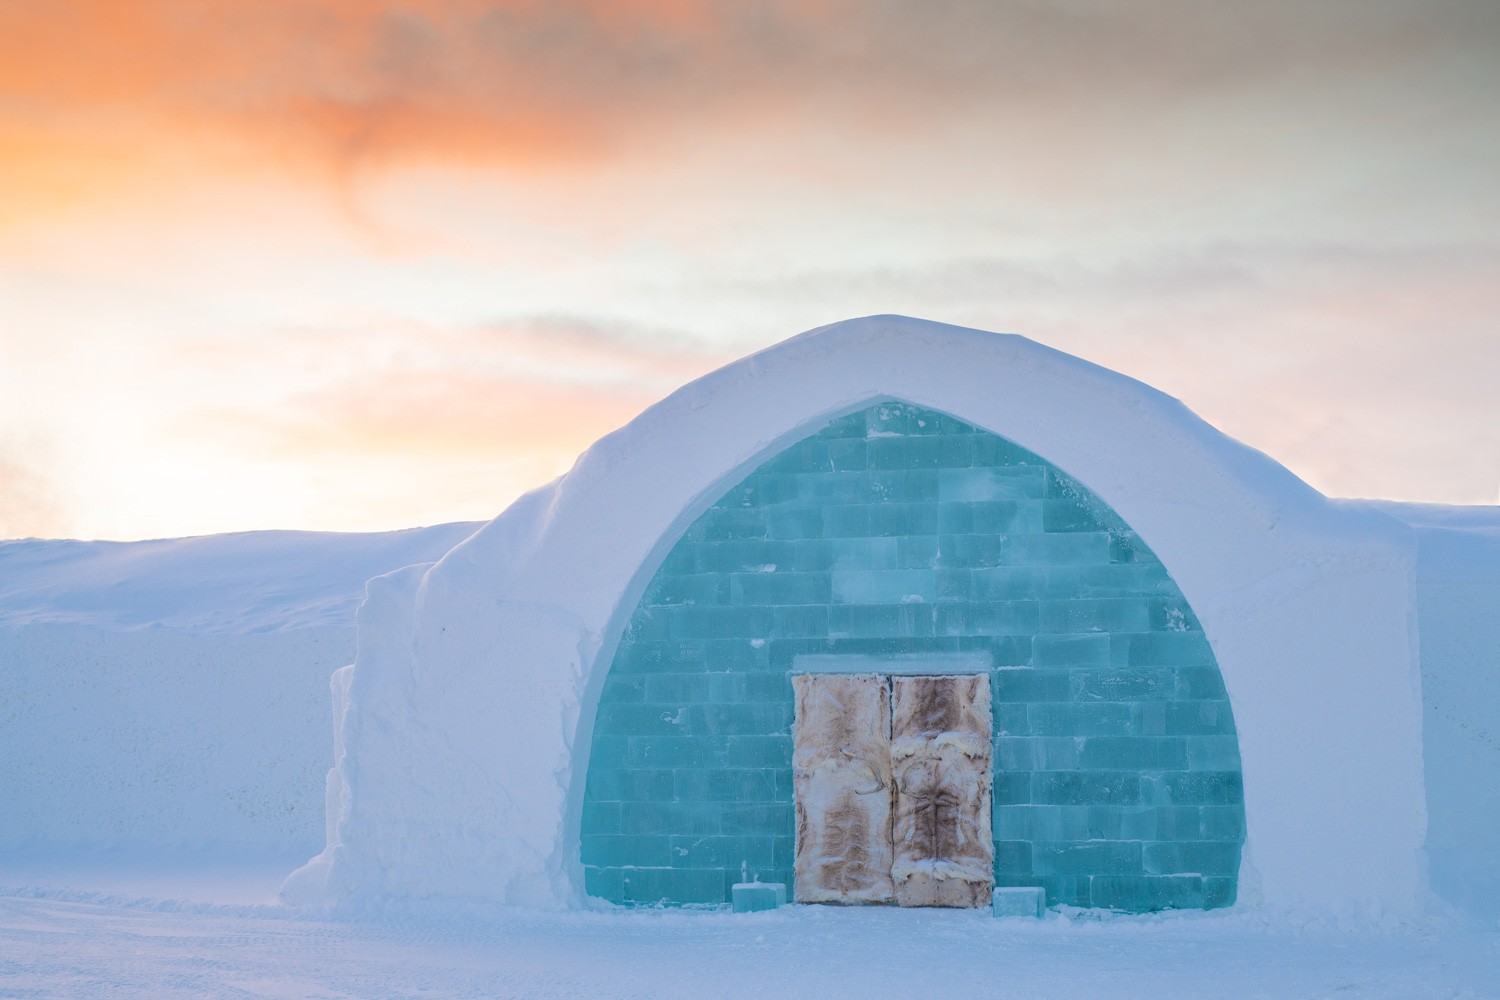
x,y
897,529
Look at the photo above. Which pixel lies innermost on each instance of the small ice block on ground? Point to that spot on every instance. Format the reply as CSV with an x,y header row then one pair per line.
x,y
752,897
1019,901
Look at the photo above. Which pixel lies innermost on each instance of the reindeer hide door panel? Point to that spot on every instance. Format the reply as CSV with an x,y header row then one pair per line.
x,y
841,768
892,778
941,762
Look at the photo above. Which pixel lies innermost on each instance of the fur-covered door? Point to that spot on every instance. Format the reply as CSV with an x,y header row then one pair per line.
x,y
841,775
892,778
941,761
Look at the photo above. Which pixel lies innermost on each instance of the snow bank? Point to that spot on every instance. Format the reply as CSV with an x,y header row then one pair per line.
x,y
1458,604
467,720
176,692
207,941
254,581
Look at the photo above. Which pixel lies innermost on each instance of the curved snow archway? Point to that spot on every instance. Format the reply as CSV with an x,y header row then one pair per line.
x,y
900,538
467,721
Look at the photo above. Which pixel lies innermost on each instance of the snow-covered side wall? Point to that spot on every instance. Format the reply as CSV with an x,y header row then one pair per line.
x,y
250,581
152,739
174,693
469,713
1458,605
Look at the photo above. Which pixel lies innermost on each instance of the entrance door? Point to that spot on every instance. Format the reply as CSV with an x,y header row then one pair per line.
x,y
892,780
841,774
940,752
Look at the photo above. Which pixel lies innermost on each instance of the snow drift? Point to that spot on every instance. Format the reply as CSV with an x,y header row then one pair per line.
x,y
174,693
1458,608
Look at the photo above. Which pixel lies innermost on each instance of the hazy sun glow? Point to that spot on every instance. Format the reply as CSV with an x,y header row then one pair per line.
x,y
349,265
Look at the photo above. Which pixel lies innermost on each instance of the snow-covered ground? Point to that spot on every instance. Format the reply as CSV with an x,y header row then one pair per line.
x,y
132,928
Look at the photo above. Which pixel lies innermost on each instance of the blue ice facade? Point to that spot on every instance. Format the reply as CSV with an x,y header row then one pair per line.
x,y
900,530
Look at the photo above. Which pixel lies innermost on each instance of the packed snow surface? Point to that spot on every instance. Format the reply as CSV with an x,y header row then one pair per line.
x,y
1458,613
253,581
175,692
211,939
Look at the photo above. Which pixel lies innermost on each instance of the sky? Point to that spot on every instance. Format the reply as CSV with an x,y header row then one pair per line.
x,y
362,265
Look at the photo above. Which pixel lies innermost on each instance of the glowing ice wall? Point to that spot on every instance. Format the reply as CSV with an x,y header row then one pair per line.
x,y
900,530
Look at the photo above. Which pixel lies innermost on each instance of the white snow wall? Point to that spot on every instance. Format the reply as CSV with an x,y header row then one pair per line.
x,y
1458,603
173,693
152,739
467,721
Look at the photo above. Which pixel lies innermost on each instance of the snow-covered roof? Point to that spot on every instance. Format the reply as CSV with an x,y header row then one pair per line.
x,y
252,581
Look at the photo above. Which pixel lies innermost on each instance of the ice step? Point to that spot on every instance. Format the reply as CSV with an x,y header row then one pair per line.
x,y
1018,901
752,897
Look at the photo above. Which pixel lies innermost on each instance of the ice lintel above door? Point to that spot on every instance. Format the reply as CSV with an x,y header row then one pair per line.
x,y
904,664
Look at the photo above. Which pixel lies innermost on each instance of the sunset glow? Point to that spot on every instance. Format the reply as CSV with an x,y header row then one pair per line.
x,y
353,266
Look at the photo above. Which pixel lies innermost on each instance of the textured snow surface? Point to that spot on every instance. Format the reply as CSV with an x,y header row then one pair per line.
x,y
252,581
208,938
176,692
1458,607
159,737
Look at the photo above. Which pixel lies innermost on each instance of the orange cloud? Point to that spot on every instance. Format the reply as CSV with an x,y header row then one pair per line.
x,y
356,80
526,83
120,102
451,413
519,390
